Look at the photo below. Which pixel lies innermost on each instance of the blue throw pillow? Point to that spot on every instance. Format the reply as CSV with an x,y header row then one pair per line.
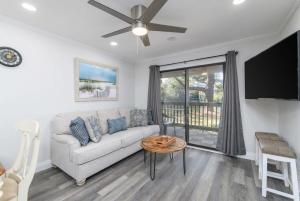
x,y
116,125
79,131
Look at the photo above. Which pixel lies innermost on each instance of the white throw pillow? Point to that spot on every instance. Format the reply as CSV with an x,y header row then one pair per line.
x,y
125,112
93,127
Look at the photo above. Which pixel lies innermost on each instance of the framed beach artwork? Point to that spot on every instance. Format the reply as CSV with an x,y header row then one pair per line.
x,y
94,81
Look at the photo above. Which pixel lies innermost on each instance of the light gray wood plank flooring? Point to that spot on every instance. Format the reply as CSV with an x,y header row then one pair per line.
x,y
209,177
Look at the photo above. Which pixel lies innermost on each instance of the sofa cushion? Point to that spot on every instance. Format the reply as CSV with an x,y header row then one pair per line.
x,y
116,125
107,145
104,115
79,131
131,136
61,122
135,134
150,130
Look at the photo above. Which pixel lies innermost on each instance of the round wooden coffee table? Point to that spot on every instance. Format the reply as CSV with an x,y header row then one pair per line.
x,y
149,144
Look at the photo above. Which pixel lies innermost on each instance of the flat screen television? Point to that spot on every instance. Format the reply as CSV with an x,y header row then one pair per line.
x,y
274,73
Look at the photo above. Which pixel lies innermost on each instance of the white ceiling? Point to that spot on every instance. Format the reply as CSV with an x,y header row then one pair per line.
x,y
208,22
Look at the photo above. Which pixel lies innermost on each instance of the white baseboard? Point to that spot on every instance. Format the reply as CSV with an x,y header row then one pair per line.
x,y
248,156
43,165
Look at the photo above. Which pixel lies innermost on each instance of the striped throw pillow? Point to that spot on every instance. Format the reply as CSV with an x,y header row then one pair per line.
x,y
79,131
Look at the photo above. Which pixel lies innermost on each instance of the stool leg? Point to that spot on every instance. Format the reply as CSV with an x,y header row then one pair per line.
x,y
259,164
285,171
264,175
294,180
256,152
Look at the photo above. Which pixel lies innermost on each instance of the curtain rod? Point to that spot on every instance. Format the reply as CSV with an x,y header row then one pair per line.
x,y
183,62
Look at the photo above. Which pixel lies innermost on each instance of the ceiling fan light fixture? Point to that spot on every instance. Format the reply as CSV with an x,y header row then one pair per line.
x,y
29,7
237,2
113,43
139,29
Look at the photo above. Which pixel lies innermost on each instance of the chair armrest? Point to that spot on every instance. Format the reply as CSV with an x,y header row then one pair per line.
x,y
13,175
69,140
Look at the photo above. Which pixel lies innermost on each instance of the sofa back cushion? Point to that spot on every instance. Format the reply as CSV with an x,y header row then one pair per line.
x,y
104,115
125,112
79,131
62,121
116,125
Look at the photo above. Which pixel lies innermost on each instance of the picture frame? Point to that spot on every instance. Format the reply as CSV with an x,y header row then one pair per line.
x,y
95,81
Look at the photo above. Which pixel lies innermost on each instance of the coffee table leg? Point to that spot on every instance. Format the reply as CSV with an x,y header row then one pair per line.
x,y
171,156
184,165
152,169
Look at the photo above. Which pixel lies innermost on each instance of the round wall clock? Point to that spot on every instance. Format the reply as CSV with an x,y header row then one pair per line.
x,y
10,57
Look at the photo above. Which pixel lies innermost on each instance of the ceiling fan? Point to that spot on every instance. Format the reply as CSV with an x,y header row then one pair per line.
x,y
140,20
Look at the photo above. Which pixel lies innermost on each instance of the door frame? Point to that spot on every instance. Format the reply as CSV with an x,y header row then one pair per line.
x,y
186,100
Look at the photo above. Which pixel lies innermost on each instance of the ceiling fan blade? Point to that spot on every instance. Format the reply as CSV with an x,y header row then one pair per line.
x,y
127,29
111,12
152,10
145,40
165,28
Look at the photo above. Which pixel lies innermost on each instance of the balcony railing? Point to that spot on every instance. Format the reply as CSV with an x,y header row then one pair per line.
x,y
204,116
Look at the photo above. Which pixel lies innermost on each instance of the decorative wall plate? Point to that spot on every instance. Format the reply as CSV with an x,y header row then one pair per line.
x,y
10,57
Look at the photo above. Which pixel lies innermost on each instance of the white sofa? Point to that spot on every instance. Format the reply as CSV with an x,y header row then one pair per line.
x,y
80,162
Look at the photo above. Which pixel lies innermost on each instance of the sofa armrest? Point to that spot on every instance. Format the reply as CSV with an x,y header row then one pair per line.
x,y
69,140
62,148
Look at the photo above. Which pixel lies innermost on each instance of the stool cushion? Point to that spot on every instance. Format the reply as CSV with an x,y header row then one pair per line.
x,y
9,189
265,135
277,148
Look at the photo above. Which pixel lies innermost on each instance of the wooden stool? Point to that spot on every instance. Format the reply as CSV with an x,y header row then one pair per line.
x,y
261,136
281,152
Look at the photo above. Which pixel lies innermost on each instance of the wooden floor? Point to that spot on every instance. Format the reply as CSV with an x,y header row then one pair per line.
x,y
210,177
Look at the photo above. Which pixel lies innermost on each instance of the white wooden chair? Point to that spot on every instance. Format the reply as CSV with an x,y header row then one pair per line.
x,y
18,179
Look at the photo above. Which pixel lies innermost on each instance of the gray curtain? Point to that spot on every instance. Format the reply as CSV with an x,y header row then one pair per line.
x,y
230,138
154,104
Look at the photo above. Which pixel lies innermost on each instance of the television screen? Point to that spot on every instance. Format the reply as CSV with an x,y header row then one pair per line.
x,y
274,72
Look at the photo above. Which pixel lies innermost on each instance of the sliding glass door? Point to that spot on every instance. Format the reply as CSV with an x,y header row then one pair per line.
x,y
191,103
173,99
205,93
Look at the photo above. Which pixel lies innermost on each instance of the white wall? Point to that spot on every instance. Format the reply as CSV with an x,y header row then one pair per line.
x,y
257,114
43,85
289,111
